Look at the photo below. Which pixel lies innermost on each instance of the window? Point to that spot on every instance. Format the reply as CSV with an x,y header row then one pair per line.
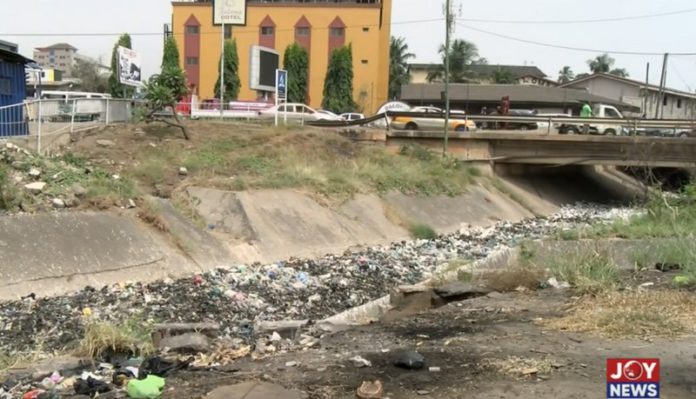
x,y
5,87
267,30
192,30
610,113
52,52
338,32
679,103
302,31
228,31
364,62
191,60
366,29
664,101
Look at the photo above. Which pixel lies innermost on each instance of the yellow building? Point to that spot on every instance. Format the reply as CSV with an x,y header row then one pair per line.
x,y
320,26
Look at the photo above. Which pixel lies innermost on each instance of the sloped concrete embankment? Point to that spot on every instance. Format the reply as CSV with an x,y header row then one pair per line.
x,y
270,225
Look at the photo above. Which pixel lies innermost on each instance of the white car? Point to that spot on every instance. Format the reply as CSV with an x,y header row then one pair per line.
x,y
295,112
330,116
352,116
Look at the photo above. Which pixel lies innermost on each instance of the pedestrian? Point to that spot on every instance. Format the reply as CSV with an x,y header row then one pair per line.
x,y
586,112
484,112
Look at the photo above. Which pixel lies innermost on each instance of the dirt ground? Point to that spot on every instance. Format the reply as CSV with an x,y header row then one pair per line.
x,y
490,347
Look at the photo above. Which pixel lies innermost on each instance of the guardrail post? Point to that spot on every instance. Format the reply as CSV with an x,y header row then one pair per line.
x,y
548,132
38,134
107,113
72,117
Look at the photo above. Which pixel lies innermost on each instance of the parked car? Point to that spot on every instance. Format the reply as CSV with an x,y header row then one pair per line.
x,y
330,115
294,112
544,126
517,125
599,111
352,116
433,120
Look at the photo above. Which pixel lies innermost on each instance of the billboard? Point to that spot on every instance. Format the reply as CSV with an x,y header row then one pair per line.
x,y
129,67
262,69
281,84
229,12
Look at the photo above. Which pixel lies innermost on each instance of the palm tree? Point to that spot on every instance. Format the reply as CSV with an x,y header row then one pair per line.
x,y
565,75
501,76
620,72
398,65
462,55
601,63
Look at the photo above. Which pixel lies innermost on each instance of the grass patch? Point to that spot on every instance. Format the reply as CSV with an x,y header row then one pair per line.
x,y
637,314
588,271
245,157
131,337
422,231
9,195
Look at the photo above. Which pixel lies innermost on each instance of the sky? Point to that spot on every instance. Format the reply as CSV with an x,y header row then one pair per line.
x,y
48,21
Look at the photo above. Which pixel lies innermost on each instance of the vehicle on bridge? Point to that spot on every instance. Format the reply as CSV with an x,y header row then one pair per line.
x,y
608,129
521,125
433,118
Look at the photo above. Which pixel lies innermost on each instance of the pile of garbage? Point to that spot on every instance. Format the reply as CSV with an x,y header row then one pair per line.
x,y
239,296
127,377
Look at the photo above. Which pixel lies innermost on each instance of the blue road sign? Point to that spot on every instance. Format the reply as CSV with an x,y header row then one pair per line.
x,y
281,84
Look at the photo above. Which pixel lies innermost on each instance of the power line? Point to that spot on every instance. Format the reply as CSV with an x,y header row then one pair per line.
x,y
235,30
571,48
580,21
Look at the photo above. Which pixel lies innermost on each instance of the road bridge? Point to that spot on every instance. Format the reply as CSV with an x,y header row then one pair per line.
x,y
515,147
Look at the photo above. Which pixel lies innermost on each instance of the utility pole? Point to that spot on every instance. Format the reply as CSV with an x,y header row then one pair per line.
x,y
660,109
646,91
222,72
448,18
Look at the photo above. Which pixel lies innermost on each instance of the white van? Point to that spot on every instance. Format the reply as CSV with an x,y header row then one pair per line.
x,y
58,105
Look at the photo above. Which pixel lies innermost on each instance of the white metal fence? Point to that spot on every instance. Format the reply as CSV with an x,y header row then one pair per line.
x,y
42,119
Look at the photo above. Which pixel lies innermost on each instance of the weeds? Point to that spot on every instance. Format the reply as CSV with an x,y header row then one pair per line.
x,y
422,231
132,337
151,214
520,368
511,279
588,271
9,195
638,314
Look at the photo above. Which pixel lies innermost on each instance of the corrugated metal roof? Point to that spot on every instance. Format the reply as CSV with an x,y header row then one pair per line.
x,y
486,71
10,56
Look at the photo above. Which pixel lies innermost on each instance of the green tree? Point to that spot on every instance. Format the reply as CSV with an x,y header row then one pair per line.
x,y
163,92
338,85
463,55
620,72
296,62
398,65
604,63
116,89
502,76
91,79
231,65
170,58
565,75
601,63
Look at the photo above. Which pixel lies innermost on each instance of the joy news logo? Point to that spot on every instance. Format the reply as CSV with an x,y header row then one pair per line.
x,y
633,378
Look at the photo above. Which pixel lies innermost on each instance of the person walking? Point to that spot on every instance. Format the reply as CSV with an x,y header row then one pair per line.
x,y
586,112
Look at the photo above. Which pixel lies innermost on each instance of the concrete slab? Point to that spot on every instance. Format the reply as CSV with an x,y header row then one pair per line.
x,y
55,253
253,390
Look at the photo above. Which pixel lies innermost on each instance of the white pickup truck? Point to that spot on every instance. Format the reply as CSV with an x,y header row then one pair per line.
x,y
603,129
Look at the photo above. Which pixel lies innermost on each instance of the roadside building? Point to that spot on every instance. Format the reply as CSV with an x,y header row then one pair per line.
x,y
484,74
60,56
473,97
12,93
674,104
8,46
320,26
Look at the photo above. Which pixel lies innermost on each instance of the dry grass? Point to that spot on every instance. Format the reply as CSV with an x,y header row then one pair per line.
x,y
151,214
132,337
520,368
511,279
238,157
636,314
